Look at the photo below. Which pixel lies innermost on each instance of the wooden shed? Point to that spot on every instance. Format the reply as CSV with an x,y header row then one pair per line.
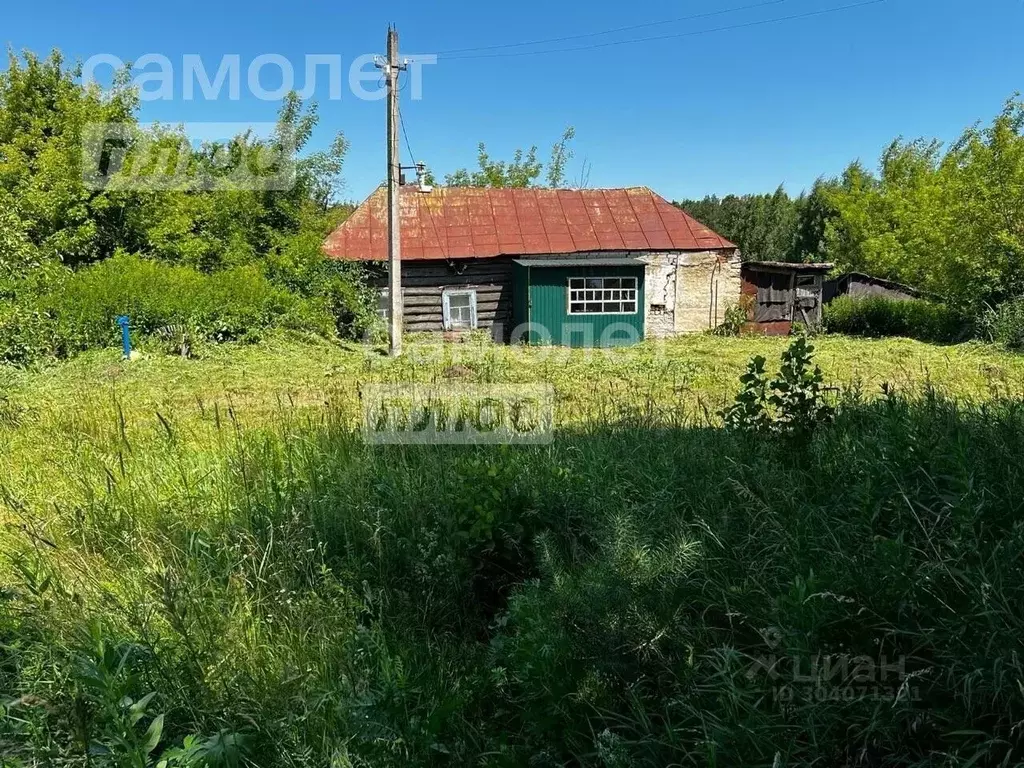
x,y
782,293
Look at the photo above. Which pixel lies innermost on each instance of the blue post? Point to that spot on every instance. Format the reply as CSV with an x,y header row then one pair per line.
x,y
126,339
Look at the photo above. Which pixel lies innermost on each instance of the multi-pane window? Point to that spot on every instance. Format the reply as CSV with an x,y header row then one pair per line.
x,y
602,295
459,310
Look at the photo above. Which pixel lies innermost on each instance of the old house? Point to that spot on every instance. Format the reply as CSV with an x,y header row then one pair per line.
x,y
596,267
781,293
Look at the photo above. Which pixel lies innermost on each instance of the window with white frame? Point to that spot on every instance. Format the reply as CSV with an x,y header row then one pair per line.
x,y
459,310
602,295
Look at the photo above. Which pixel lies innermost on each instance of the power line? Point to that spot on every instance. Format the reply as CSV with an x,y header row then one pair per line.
x,y
616,29
696,33
405,133
442,244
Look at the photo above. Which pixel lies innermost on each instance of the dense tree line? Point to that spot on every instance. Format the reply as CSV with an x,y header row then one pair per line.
x,y
773,227
949,219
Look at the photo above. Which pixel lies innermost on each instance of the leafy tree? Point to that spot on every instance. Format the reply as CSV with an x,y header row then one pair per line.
x,y
561,154
813,215
322,172
81,180
951,222
18,255
43,113
521,171
235,201
203,213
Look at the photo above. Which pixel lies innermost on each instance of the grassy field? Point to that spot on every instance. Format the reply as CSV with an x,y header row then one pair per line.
x,y
649,589
256,380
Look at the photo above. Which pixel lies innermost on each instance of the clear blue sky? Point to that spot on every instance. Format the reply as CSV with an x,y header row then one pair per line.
x,y
740,110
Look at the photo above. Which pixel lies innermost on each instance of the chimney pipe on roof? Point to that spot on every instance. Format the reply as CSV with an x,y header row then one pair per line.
x,y
421,178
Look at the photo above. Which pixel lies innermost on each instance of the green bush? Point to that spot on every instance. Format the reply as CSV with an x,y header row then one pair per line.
x,y
796,405
80,310
23,332
879,316
1005,324
736,316
299,265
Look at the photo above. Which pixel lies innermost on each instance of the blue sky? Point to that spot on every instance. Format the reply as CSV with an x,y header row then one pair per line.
x,y
739,110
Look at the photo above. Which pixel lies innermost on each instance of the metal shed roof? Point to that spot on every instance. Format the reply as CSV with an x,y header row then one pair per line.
x,y
466,222
790,266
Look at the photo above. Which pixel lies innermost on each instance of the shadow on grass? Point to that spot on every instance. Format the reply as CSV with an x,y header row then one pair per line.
x,y
628,595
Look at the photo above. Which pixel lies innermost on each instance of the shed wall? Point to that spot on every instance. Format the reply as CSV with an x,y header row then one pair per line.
x,y
778,298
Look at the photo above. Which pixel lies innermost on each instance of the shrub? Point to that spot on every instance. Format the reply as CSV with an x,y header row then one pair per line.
x,y
299,265
1005,324
736,316
880,316
23,332
80,311
796,404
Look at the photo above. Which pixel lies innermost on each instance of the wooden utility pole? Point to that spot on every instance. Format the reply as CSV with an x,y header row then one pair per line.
x,y
391,69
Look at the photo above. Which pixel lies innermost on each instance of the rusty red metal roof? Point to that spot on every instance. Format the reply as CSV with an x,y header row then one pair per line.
x,y
466,222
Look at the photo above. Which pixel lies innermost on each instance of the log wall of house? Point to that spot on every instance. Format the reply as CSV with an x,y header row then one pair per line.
x,y
424,282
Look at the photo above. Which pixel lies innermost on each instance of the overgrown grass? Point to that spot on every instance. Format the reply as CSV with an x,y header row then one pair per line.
x,y
880,316
1005,324
648,590
173,307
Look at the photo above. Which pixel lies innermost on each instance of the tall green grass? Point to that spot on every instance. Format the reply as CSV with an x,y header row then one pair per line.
x,y
648,590
78,310
879,316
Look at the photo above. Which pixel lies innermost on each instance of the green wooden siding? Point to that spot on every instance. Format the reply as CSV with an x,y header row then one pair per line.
x,y
520,302
540,297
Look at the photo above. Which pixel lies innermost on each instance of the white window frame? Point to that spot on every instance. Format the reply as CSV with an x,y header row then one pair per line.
x,y
634,291
446,308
